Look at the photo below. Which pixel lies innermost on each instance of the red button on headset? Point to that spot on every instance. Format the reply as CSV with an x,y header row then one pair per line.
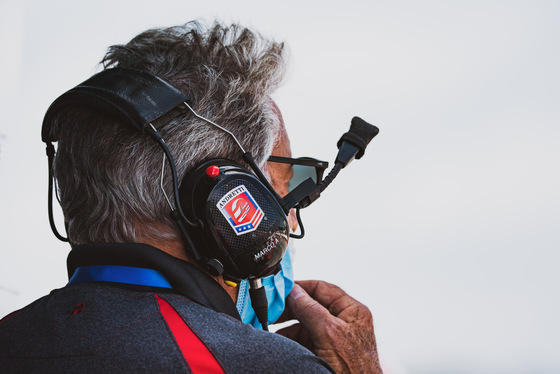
x,y
213,171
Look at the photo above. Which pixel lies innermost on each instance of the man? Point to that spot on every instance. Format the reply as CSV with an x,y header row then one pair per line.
x,y
152,307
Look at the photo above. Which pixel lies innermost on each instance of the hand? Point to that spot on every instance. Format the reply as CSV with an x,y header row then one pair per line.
x,y
334,326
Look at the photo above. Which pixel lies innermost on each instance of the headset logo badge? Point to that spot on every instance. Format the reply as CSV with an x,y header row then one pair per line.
x,y
240,210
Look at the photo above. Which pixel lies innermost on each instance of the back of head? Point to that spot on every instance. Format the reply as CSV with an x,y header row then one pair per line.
x,y
109,173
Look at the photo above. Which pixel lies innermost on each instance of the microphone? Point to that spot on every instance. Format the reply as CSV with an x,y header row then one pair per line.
x,y
353,144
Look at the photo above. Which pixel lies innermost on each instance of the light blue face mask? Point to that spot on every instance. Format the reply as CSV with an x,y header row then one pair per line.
x,y
277,289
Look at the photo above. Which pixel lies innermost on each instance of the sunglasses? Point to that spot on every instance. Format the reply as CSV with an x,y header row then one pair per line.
x,y
303,168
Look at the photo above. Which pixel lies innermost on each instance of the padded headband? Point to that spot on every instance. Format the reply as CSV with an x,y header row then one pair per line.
x,y
138,97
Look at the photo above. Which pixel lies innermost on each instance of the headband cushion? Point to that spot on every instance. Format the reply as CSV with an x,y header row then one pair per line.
x,y
135,96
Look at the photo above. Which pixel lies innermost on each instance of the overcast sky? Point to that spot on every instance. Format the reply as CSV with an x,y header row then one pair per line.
x,y
448,228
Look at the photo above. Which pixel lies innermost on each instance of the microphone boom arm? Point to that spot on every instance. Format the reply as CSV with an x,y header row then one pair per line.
x,y
352,145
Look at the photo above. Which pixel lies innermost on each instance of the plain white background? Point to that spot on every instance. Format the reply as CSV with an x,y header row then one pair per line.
x,y
448,228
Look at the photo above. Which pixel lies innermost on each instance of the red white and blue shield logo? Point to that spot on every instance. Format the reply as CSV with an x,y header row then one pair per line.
x,y
240,210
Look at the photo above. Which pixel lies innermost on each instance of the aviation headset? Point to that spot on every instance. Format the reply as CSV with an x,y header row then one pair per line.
x,y
232,221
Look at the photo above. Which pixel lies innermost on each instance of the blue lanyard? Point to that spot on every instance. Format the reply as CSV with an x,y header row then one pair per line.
x,y
119,274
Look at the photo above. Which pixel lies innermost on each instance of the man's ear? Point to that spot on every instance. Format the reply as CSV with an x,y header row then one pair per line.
x,y
265,171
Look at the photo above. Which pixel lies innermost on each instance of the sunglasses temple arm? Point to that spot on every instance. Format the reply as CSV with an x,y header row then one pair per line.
x,y
307,192
304,192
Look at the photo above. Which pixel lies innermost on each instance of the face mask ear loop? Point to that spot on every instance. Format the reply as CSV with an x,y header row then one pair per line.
x,y
50,153
300,224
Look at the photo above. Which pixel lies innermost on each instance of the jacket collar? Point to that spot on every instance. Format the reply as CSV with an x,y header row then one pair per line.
x,y
184,277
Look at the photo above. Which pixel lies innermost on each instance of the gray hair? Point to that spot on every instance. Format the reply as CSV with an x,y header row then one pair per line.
x,y
108,173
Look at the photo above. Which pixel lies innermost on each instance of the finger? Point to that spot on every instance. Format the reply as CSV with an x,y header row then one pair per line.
x,y
332,297
285,316
308,311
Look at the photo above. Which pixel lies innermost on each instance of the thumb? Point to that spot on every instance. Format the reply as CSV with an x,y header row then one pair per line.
x,y
306,310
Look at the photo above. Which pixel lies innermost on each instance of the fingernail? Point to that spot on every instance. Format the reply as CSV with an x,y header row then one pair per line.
x,y
296,292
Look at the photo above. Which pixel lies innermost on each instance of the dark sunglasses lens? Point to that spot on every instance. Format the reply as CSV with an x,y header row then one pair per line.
x,y
301,173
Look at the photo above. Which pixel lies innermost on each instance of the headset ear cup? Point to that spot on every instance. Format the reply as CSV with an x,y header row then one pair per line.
x,y
197,184
244,226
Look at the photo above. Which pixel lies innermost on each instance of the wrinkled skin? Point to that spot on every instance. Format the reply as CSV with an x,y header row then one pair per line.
x,y
333,325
